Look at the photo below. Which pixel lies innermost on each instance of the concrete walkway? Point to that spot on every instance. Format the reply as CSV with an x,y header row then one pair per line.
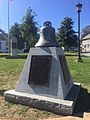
x,y
86,54
86,116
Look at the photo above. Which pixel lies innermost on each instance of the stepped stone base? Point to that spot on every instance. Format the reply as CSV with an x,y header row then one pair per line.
x,y
55,105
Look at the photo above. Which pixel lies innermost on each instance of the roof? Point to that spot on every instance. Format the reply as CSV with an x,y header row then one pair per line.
x,y
87,37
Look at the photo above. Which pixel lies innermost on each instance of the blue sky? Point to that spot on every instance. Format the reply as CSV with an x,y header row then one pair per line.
x,y
52,10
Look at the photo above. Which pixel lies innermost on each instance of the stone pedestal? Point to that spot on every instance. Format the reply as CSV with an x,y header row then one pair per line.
x,y
13,46
45,82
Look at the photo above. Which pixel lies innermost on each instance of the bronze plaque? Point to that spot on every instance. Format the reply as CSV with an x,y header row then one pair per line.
x,y
64,68
40,70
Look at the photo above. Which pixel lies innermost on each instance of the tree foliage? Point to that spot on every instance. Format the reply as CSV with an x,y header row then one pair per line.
x,y
29,29
85,31
16,32
66,35
26,32
3,35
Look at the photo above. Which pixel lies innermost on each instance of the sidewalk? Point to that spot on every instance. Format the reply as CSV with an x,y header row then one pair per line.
x,y
86,116
86,54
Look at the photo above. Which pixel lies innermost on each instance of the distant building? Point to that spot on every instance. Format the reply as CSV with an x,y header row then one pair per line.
x,y
86,43
3,46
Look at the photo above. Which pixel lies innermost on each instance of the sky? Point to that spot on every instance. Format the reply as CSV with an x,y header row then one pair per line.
x,y
52,10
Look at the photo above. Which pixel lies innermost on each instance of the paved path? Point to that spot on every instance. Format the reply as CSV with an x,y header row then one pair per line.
x,y
86,54
86,116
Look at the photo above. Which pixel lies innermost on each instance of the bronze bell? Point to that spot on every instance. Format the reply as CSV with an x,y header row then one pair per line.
x,y
47,36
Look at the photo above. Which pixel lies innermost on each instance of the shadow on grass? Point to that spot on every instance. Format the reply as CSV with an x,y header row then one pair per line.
x,y
70,54
7,56
2,92
3,55
83,103
17,57
75,55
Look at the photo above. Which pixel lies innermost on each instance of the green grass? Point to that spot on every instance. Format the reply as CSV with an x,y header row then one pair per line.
x,y
80,71
10,70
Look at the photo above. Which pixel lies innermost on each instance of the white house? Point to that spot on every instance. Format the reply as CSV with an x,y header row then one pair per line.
x,y
86,43
3,46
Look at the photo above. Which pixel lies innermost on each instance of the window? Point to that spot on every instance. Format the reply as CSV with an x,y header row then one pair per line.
x,y
88,46
0,45
7,44
85,46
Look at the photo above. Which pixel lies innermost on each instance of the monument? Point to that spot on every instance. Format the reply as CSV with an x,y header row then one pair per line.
x,y
13,46
45,81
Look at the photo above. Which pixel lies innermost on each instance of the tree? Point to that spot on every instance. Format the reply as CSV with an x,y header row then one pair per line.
x,y
85,31
3,35
16,32
66,35
29,29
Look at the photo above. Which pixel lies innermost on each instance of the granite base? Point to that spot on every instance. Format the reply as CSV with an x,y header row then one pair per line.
x,y
55,105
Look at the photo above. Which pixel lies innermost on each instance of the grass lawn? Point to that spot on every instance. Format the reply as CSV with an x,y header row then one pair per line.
x,y
80,71
9,74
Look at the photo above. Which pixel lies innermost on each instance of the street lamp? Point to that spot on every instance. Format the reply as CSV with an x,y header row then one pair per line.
x,y
79,7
